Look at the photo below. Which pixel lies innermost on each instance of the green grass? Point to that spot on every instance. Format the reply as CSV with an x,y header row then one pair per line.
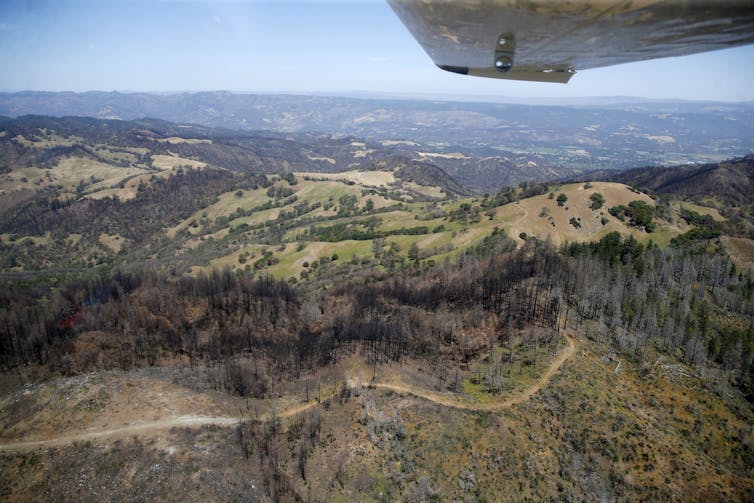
x,y
258,217
20,240
397,219
321,191
455,238
702,210
115,154
517,376
225,206
291,261
660,236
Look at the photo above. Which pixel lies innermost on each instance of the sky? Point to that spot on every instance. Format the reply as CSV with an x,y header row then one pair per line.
x,y
331,47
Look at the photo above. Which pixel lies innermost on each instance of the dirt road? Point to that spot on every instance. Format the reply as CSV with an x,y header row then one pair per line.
x,y
123,431
519,397
154,427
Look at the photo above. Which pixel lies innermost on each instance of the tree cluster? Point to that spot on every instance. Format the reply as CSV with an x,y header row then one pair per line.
x,y
695,306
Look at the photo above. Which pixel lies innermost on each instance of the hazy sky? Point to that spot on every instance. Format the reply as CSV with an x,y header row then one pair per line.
x,y
302,47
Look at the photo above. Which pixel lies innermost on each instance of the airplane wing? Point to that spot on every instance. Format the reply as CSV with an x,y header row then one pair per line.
x,y
548,41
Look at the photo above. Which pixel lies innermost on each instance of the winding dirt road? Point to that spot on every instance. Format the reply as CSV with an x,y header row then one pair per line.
x,y
192,421
519,397
163,424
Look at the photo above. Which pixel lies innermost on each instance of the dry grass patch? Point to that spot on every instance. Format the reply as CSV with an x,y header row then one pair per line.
x,y
69,173
449,155
740,249
425,190
170,161
48,140
367,178
113,242
72,171
173,140
44,239
702,210
377,200
545,219
130,188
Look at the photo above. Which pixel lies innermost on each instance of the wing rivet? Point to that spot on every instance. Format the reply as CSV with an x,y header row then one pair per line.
x,y
503,63
503,41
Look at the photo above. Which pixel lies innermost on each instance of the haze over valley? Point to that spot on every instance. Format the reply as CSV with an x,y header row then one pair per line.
x,y
484,146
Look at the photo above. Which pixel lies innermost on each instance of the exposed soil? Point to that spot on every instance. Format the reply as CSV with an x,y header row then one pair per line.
x,y
153,427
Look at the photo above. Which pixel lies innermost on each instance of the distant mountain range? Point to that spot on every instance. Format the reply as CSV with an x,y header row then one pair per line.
x,y
43,141
616,133
38,140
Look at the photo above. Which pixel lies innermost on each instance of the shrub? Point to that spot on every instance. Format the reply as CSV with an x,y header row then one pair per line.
x,y
597,201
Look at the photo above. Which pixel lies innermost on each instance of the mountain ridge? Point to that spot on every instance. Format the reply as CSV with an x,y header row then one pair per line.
x,y
584,136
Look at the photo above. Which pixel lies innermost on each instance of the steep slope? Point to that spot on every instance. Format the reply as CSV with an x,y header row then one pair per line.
x,y
731,183
422,173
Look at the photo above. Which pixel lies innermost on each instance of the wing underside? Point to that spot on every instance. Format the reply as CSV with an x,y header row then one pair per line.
x,y
549,41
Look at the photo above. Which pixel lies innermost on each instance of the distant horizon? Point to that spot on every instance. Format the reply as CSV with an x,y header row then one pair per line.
x,y
418,96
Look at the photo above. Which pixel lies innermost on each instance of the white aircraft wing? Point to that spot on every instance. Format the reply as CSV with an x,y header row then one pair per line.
x,y
549,41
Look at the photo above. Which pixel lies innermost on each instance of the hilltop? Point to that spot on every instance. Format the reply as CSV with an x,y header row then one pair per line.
x,y
718,197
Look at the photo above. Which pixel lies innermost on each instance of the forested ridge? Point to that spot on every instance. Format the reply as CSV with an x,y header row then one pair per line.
x,y
727,186
732,180
165,202
690,305
42,141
